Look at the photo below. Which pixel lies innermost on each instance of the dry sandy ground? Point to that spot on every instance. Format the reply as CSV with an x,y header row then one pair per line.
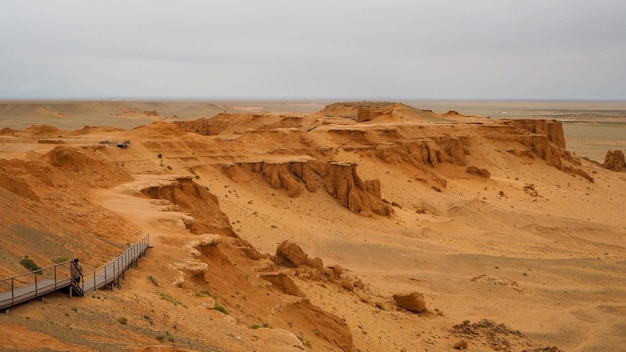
x,y
533,247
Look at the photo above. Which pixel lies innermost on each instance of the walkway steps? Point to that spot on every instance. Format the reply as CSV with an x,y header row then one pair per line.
x,y
22,288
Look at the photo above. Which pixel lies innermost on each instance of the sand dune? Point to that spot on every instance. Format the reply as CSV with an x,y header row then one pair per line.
x,y
515,243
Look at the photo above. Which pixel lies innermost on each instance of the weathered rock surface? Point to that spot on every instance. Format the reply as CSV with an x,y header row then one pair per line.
x,y
283,283
311,320
291,255
343,183
614,160
413,301
185,194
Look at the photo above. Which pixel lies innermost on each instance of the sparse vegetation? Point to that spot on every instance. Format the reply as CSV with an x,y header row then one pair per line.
x,y
30,264
197,177
306,342
122,320
172,299
220,308
60,259
153,280
165,336
149,319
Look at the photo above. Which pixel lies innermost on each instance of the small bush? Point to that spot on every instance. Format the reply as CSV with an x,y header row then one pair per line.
x,y
60,259
165,336
153,280
30,264
172,299
122,320
221,308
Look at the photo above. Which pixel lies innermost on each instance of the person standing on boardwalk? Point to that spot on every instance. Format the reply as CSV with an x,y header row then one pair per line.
x,y
76,270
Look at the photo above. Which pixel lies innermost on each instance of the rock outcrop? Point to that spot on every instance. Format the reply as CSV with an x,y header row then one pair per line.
x,y
311,320
552,129
412,301
290,255
614,160
283,283
343,183
196,201
340,181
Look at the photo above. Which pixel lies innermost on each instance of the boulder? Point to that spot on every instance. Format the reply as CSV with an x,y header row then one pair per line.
x,y
317,263
412,301
337,270
291,255
460,345
614,160
473,170
283,282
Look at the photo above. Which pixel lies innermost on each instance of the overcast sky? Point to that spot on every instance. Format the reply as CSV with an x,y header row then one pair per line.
x,y
349,49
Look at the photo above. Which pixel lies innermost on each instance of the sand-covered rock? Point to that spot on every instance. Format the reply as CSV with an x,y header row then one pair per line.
x,y
614,160
413,301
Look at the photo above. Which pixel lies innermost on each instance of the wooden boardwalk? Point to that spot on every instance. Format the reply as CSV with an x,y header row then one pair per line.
x,y
22,288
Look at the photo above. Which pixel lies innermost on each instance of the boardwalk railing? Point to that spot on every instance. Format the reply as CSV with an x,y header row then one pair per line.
x,y
21,288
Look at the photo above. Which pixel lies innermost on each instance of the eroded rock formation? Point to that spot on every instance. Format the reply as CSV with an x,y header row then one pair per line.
x,y
193,199
614,160
412,301
339,179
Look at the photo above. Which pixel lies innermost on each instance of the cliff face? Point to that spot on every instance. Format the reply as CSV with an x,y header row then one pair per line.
x,y
394,134
189,197
551,129
343,183
540,139
339,179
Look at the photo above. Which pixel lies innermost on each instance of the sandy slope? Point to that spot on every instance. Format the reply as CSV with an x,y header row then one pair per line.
x,y
536,248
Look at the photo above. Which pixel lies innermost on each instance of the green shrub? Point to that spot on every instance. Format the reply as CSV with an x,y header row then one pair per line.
x,y
172,299
30,264
60,259
221,308
122,320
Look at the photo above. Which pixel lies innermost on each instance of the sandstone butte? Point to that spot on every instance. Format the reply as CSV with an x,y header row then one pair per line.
x,y
293,232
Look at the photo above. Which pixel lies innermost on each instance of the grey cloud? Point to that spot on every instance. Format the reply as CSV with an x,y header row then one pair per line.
x,y
280,48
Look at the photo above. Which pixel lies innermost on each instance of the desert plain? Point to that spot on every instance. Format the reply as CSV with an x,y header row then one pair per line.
x,y
291,226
